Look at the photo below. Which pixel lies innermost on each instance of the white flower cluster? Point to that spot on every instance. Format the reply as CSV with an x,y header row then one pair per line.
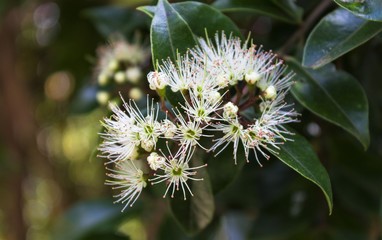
x,y
119,62
222,83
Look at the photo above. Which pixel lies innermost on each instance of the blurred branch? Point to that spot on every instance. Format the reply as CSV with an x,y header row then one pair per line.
x,y
307,24
17,128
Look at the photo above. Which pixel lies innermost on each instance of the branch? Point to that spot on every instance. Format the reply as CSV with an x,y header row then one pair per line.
x,y
317,12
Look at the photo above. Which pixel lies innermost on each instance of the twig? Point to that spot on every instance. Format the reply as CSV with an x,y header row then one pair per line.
x,y
305,26
166,110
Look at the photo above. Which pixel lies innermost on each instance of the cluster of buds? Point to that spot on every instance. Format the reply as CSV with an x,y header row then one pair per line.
x,y
120,62
232,94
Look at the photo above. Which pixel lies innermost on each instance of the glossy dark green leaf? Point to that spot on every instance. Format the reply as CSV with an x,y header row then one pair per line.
x,y
175,98
90,217
368,9
336,34
200,17
109,20
335,96
285,10
195,213
299,155
169,33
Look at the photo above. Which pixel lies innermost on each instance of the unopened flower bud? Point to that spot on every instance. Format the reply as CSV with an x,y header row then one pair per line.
x,y
222,80
213,96
230,110
270,92
147,145
155,161
157,80
102,97
252,77
133,74
120,77
113,65
103,79
169,128
135,93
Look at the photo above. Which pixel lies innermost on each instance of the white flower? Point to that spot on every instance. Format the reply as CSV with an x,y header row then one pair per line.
x,y
228,60
278,77
121,136
199,107
258,63
176,172
169,129
130,180
276,114
189,132
225,59
184,74
253,137
147,126
233,133
267,132
128,129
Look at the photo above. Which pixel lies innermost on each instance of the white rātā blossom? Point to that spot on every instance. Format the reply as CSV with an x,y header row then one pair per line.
x,y
184,73
129,180
129,128
177,172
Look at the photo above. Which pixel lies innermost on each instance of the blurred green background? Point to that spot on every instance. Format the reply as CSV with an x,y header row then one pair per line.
x,y
52,183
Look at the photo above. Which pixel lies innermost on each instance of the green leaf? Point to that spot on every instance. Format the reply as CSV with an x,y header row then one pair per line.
x,y
285,10
199,17
336,34
169,33
175,98
195,213
109,20
90,217
335,96
299,155
368,9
